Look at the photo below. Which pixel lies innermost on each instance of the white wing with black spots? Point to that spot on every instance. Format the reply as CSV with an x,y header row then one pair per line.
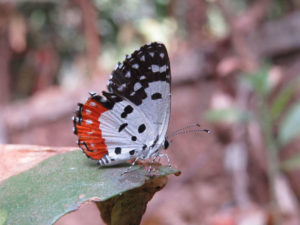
x,y
144,79
126,131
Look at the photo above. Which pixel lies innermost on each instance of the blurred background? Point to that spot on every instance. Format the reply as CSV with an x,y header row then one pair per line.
x,y
235,68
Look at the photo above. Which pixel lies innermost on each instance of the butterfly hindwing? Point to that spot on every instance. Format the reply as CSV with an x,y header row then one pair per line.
x,y
126,130
131,119
86,127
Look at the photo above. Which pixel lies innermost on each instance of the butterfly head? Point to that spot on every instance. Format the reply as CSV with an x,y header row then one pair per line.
x,y
166,143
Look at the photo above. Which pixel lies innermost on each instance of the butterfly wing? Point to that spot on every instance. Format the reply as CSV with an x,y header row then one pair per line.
x,y
144,79
131,119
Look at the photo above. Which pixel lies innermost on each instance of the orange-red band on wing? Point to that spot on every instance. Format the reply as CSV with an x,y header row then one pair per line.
x,y
88,131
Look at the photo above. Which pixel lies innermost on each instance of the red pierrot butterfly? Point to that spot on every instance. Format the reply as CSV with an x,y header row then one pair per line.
x,y
130,120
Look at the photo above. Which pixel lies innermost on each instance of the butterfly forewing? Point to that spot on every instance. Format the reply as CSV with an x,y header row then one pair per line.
x,y
137,106
144,79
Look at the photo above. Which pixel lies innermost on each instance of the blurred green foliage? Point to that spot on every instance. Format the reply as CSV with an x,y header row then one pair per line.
x,y
291,163
290,128
259,81
280,103
61,22
122,26
228,115
276,111
276,8
279,109
216,22
126,25
59,26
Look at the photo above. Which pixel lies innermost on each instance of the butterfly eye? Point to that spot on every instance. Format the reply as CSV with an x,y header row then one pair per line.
x,y
166,144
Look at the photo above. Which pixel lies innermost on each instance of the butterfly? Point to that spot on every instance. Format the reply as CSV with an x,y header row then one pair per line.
x,y
130,120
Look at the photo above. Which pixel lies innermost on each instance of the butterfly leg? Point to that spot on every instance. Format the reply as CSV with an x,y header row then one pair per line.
x,y
159,156
152,162
164,155
132,165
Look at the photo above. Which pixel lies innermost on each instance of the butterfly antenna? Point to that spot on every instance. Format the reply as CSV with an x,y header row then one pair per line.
x,y
186,130
183,128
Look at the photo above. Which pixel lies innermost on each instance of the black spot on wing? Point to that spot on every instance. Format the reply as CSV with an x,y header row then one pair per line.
x,y
118,150
133,138
123,115
132,152
122,127
141,128
127,110
156,96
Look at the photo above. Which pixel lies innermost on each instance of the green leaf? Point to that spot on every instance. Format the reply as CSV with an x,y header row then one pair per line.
x,y
291,163
290,126
282,99
60,184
